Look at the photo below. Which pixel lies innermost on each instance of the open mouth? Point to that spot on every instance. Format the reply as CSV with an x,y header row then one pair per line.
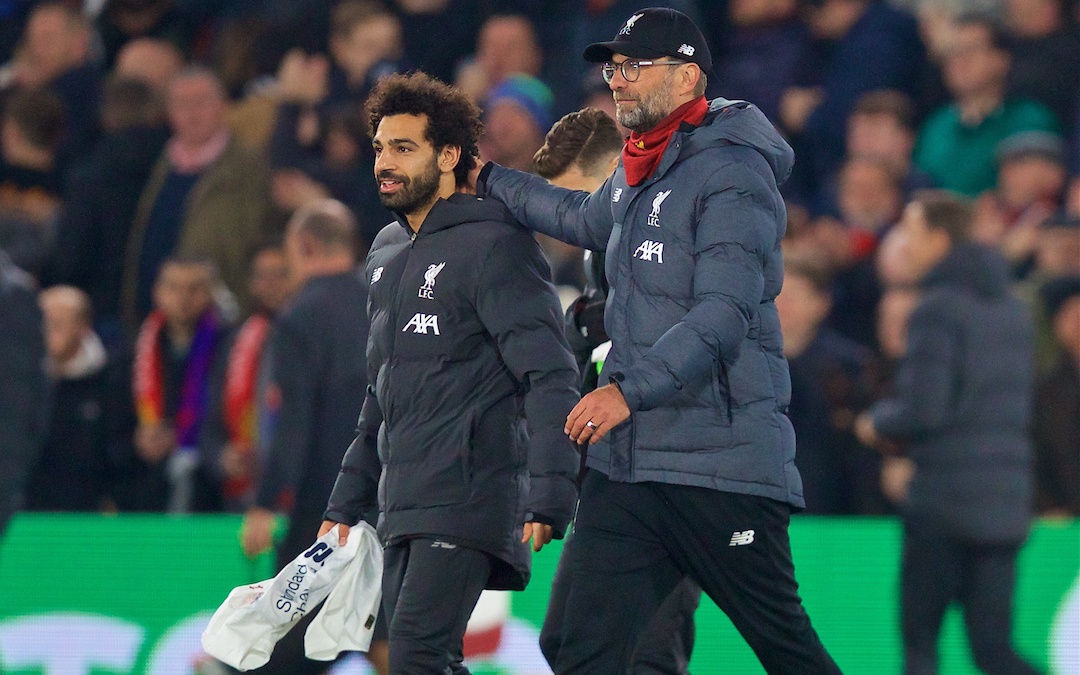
x,y
389,185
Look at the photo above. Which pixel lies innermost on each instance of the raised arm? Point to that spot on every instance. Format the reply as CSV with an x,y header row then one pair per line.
x,y
574,217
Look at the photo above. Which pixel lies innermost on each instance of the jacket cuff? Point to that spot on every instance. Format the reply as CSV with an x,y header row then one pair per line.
x,y
481,179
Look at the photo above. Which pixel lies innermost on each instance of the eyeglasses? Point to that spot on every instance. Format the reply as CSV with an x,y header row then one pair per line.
x,y
630,69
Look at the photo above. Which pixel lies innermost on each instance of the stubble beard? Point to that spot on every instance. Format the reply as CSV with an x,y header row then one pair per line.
x,y
651,109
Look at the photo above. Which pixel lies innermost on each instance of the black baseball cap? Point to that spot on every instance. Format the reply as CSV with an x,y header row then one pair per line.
x,y
653,33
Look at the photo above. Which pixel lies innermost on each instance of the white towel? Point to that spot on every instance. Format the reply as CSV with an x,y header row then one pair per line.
x,y
245,628
347,619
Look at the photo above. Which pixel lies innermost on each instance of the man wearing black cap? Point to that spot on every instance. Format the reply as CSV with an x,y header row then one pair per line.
x,y
691,458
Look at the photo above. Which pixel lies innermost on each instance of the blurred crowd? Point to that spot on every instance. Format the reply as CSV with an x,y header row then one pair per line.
x,y
152,152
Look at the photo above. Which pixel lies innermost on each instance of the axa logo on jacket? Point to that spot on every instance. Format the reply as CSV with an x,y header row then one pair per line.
x,y
420,323
650,248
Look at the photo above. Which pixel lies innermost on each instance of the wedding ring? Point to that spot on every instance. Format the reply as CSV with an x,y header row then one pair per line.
x,y
590,424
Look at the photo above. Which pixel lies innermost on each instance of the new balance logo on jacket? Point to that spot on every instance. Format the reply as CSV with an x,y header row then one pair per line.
x,y
421,322
742,538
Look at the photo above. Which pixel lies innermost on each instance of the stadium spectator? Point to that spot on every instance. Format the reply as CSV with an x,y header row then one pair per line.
x,y
1043,37
762,52
179,346
881,127
828,389
956,143
456,22
319,367
686,434
1030,188
835,71
207,195
869,199
154,61
244,404
517,114
31,133
90,420
579,153
22,384
507,45
55,53
100,198
571,25
962,404
1056,407
123,21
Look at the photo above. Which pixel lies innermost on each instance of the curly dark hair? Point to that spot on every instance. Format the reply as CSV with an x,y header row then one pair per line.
x,y
453,120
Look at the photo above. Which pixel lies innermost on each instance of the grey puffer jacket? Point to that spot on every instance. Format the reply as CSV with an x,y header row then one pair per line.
x,y
963,402
693,260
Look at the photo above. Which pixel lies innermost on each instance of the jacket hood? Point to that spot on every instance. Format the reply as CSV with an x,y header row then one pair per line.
x,y
458,209
974,266
741,123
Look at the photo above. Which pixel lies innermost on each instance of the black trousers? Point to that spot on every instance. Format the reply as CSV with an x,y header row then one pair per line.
x,y
634,542
664,647
938,569
430,588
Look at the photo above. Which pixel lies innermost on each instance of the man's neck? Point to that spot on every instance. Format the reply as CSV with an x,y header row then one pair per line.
x,y
327,265
180,336
447,187
977,107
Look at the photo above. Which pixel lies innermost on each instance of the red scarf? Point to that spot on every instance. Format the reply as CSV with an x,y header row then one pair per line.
x,y
149,381
642,152
241,384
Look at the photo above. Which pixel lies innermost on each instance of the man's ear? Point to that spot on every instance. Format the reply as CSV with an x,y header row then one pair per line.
x,y
448,158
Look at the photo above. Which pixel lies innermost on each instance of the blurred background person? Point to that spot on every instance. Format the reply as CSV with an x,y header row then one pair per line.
x,y
31,133
55,53
507,45
90,421
828,389
1056,427
1044,37
155,61
1030,188
22,384
179,346
834,71
962,405
100,198
244,403
761,55
319,366
207,195
957,141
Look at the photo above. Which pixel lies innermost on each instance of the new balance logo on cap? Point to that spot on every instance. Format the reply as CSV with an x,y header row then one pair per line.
x,y
742,538
686,49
